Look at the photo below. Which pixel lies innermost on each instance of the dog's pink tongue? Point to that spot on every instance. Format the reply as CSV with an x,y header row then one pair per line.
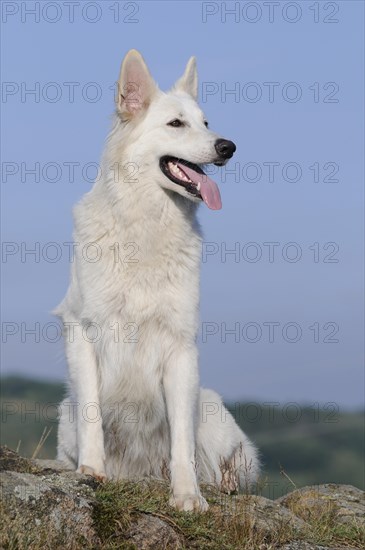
x,y
208,188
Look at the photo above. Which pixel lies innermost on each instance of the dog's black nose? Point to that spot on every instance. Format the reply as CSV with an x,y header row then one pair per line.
x,y
225,148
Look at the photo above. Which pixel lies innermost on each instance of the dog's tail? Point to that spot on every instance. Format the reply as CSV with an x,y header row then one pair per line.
x,y
225,455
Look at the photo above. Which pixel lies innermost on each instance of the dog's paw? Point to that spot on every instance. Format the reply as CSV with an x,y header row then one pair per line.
x,y
189,503
89,471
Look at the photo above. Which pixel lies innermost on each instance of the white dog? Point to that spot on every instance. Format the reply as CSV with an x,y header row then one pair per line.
x,y
131,312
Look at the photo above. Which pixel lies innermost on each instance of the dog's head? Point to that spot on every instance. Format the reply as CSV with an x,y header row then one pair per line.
x,y
170,137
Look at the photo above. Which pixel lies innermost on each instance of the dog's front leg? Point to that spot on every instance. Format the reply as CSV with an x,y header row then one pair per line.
x,y
181,392
84,382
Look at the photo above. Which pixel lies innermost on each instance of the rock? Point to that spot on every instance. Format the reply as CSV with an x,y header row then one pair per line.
x,y
45,505
267,516
148,532
39,507
10,460
46,464
345,502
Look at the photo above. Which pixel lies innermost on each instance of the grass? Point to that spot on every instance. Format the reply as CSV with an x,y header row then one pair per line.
x,y
229,523
324,529
118,504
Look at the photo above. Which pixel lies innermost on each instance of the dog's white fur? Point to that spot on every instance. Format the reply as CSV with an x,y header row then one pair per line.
x,y
145,280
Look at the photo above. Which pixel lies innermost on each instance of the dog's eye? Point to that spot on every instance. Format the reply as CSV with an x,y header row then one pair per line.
x,y
206,123
175,123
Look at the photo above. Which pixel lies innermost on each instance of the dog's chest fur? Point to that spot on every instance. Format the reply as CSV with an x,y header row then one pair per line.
x,y
142,293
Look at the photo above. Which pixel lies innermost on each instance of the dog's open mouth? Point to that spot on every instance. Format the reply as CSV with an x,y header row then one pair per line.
x,y
193,179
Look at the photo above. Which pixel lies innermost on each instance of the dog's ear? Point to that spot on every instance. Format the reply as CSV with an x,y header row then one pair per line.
x,y
189,80
136,86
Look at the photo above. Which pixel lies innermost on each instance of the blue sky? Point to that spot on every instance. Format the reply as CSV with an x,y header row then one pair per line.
x,y
297,118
